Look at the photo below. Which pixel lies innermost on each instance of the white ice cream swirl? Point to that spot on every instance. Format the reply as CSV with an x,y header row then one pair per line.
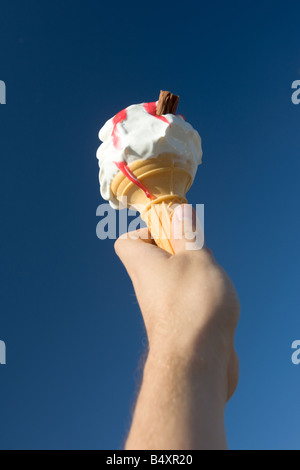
x,y
136,133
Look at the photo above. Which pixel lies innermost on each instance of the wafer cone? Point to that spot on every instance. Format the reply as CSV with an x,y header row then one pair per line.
x,y
165,178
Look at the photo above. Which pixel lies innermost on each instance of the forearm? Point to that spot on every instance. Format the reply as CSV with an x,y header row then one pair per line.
x,y
181,404
190,310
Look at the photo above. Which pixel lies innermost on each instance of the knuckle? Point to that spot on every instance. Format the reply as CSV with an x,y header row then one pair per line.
x,y
117,244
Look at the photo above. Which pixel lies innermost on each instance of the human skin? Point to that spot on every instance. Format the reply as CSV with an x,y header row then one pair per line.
x,y
190,310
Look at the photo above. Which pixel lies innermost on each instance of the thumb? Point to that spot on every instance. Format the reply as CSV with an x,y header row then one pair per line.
x,y
187,231
139,254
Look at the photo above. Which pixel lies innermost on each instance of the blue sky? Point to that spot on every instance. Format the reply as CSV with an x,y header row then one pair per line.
x,y
68,314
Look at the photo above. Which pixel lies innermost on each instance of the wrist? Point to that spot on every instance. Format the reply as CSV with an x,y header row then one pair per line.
x,y
191,365
204,347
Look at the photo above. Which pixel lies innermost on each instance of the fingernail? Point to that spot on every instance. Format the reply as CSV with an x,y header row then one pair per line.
x,y
183,220
185,212
185,226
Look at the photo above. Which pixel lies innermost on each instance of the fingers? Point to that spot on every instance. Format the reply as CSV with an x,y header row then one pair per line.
x,y
138,253
141,256
187,232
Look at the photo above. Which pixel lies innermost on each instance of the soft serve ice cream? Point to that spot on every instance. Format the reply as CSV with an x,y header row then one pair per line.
x,y
137,133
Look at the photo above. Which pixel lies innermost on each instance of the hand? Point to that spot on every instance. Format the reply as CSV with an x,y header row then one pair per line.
x,y
188,302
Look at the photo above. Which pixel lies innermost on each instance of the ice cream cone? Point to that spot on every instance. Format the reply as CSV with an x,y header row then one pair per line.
x,y
168,180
